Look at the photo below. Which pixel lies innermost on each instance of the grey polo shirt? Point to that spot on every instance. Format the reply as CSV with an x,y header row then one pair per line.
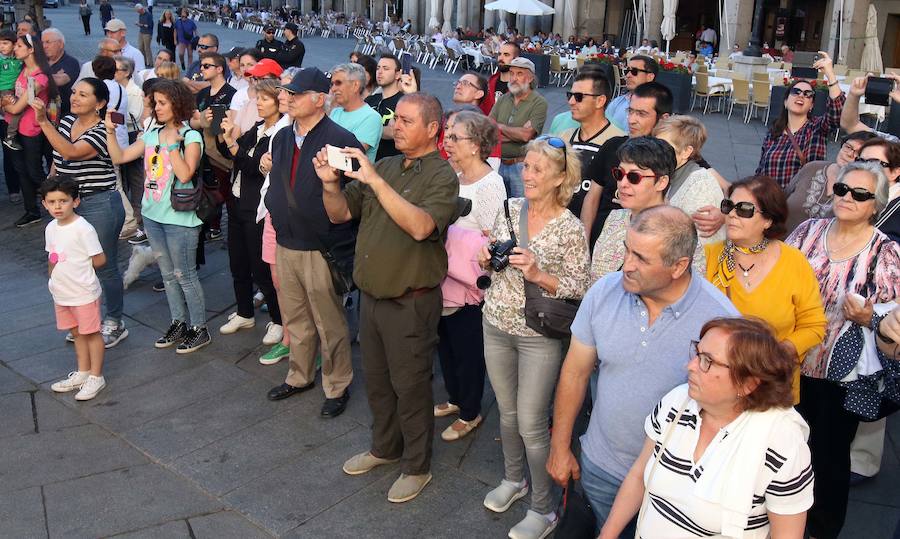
x,y
639,363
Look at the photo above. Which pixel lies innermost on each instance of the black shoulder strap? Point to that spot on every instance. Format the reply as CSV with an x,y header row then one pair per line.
x,y
509,226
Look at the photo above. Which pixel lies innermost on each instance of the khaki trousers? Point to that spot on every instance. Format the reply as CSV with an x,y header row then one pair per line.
x,y
867,448
312,314
146,50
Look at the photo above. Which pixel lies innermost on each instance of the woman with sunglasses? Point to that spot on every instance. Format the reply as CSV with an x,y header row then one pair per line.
x,y
643,177
172,152
809,195
795,138
734,457
886,154
523,365
850,256
763,276
469,139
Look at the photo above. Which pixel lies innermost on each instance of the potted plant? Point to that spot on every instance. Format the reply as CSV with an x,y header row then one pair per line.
x,y
677,78
606,63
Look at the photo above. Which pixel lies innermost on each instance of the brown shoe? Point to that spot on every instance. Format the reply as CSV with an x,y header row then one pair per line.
x,y
407,487
459,429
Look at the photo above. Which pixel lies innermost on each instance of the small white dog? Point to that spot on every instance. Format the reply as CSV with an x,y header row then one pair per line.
x,y
141,257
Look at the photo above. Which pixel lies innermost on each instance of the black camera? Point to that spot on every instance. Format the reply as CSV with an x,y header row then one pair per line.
x,y
500,251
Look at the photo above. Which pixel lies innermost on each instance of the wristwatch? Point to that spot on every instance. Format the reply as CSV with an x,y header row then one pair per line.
x,y
884,338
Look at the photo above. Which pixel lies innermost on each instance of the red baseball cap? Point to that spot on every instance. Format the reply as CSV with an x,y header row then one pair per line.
x,y
265,68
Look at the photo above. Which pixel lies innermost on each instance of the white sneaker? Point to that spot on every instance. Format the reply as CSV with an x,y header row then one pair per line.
x,y
274,334
90,388
74,381
502,497
236,323
534,526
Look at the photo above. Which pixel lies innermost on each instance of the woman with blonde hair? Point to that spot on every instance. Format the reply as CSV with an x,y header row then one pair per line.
x,y
165,31
691,187
169,70
522,364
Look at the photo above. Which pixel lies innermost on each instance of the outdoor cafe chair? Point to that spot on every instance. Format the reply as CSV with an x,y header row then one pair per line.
x,y
703,90
740,95
762,98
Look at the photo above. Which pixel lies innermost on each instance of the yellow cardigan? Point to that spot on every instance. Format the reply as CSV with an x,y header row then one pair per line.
x,y
788,299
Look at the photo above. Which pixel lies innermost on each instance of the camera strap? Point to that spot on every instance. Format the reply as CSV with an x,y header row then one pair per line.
x,y
509,225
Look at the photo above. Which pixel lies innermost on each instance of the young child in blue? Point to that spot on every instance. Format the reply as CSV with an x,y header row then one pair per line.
x,y
10,67
74,253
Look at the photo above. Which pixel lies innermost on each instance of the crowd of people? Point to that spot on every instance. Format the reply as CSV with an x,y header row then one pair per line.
x,y
716,330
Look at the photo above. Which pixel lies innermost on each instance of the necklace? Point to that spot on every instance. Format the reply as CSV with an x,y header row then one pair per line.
x,y
746,270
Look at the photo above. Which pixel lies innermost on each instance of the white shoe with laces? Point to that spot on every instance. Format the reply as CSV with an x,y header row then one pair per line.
x,y
72,382
274,334
91,387
236,323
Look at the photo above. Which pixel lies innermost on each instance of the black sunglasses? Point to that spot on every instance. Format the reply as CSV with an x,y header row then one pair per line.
x,y
635,70
884,164
207,66
559,144
203,47
744,210
579,96
804,93
633,177
858,193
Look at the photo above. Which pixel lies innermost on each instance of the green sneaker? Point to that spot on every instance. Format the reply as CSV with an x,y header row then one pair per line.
x,y
275,354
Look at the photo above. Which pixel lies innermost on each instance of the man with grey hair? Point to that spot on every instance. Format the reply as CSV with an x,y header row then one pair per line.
x,y
636,326
350,111
64,67
520,115
145,23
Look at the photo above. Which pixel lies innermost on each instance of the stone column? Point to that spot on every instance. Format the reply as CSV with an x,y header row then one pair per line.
x,y
448,16
654,21
305,6
489,17
411,11
559,17
462,15
377,14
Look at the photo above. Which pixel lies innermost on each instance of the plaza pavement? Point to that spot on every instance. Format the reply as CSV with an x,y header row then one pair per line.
x,y
188,446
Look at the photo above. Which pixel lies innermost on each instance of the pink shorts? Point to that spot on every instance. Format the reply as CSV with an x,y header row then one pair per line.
x,y
268,241
85,317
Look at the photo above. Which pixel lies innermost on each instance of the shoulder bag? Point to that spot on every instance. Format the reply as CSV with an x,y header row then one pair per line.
x,y
800,155
551,317
198,195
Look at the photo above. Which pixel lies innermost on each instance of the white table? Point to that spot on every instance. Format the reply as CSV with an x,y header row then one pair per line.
x,y
474,52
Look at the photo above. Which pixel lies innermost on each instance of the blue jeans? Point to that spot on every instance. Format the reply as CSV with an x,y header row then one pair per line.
x,y
104,211
175,249
512,179
601,489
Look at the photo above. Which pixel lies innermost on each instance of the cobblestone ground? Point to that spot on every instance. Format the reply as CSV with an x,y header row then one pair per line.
x,y
189,446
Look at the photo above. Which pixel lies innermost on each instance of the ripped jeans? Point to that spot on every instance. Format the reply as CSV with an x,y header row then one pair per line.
x,y
175,250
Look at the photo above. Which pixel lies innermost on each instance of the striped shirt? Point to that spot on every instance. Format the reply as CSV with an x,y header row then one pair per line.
x,y
783,484
94,174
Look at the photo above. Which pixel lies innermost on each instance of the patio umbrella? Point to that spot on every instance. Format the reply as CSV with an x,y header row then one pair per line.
x,y
670,8
433,22
521,7
501,28
448,14
871,56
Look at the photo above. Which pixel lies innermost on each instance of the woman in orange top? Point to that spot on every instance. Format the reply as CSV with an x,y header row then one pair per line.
x,y
762,276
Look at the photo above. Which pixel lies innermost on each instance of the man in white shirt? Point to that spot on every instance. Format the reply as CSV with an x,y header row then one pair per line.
x,y
708,35
164,55
116,29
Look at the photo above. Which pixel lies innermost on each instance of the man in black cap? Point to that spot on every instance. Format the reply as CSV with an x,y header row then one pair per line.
x,y
236,80
293,52
312,312
268,46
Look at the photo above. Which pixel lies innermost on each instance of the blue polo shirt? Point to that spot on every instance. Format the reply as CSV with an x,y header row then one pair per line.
x,y
638,363
617,112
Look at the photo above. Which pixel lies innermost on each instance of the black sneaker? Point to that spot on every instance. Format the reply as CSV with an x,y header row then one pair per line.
x,y
139,238
159,286
196,338
214,234
12,143
28,219
174,335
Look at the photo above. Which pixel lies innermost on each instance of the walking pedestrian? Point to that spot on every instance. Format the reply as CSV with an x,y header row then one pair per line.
x,y
85,11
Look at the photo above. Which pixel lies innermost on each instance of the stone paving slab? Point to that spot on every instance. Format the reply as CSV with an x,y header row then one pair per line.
x,y
224,524
122,500
12,382
22,514
48,457
176,529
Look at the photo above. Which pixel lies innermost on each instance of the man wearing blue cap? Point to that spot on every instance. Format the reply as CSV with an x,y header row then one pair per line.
x,y
312,311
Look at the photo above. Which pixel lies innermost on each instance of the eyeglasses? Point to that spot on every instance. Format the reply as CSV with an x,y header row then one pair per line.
x,y
579,96
847,147
559,144
464,82
122,69
203,47
884,164
207,66
705,360
858,193
635,70
456,138
633,177
805,93
745,210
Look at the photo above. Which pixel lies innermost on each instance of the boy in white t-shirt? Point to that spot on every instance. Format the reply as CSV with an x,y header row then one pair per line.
x,y
74,253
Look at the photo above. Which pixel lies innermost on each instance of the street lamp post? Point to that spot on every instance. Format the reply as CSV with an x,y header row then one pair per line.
x,y
755,48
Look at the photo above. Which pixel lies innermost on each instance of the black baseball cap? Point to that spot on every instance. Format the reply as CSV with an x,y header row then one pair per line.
x,y
235,52
309,79
291,26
